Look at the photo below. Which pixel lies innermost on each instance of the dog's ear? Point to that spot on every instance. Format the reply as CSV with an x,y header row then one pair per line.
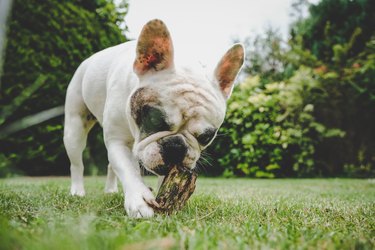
x,y
154,48
228,68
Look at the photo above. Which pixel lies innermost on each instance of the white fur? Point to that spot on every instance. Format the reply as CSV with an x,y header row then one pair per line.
x,y
102,86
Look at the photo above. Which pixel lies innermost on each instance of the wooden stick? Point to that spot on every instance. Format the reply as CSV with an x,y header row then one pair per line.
x,y
175,190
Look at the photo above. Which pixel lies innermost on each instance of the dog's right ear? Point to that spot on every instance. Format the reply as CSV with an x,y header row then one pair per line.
x,y
154,49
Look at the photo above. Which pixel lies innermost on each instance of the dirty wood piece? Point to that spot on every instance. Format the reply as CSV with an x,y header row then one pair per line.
x,y
175,190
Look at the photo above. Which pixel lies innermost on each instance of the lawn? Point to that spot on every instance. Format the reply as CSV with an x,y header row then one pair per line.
x,y
38,213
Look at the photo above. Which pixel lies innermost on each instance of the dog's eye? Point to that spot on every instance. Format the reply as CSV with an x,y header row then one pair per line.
x,y
153,120
207,136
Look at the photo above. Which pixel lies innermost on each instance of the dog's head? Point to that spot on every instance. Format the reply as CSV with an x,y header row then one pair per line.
x,y
176,113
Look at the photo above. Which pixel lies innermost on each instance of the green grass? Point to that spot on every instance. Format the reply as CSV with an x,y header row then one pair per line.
x,y
222,214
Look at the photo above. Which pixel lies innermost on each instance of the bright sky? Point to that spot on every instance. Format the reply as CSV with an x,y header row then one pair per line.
x,y
204,29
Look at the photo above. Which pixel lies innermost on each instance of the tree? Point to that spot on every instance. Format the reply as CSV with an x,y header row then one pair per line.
x,y
312,110
340,34
333,22
46,42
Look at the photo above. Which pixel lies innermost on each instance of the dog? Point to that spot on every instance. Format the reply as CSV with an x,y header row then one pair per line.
x,y
153,113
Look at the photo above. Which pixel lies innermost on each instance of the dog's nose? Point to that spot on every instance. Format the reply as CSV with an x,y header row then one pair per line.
x,y
173,149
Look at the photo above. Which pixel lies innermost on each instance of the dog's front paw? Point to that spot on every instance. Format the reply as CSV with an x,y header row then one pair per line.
x,y
77,190
136,203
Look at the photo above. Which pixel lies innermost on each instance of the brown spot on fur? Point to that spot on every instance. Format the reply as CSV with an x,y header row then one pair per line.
x,y
88,119
140,98
154,48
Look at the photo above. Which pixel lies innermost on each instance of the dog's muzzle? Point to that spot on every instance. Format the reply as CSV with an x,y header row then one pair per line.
x,y
173,150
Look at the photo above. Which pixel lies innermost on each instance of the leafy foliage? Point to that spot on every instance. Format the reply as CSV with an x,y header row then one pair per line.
x,y
305,108
271,130
266,56
340,34
46,41
332,22
309,107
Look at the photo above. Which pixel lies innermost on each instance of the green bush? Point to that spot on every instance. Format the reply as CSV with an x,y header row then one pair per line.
x,y
47,40
311,112
270,130
340,34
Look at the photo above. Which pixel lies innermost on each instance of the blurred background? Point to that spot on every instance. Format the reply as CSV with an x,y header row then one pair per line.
x,y
304,105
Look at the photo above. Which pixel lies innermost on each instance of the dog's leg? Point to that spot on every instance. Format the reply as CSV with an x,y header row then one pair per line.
x,y
75,137
78,123
76,129
137,194
111,184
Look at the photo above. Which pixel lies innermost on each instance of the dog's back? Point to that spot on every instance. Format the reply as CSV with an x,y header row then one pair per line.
x,y
90,83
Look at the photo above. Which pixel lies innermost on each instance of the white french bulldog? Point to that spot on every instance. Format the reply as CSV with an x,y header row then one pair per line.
x,y
152,113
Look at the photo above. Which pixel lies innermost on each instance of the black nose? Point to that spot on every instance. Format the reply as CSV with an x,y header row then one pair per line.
x,y
173,149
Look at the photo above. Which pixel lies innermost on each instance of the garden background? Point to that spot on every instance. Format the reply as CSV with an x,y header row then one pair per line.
x,y
304,107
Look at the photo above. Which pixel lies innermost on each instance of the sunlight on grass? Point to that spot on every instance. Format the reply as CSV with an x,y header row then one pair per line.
x,y
222,213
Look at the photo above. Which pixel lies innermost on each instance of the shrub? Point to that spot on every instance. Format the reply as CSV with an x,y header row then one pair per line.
x,y
270,130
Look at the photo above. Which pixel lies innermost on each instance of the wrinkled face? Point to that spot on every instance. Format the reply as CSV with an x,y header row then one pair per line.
x,y
174,124
174,116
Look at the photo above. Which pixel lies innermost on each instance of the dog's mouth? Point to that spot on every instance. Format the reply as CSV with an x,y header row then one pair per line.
x,y
163,170
162,153
157,170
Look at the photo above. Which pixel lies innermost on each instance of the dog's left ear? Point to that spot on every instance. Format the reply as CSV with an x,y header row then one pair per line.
x,y
154,48
228,68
